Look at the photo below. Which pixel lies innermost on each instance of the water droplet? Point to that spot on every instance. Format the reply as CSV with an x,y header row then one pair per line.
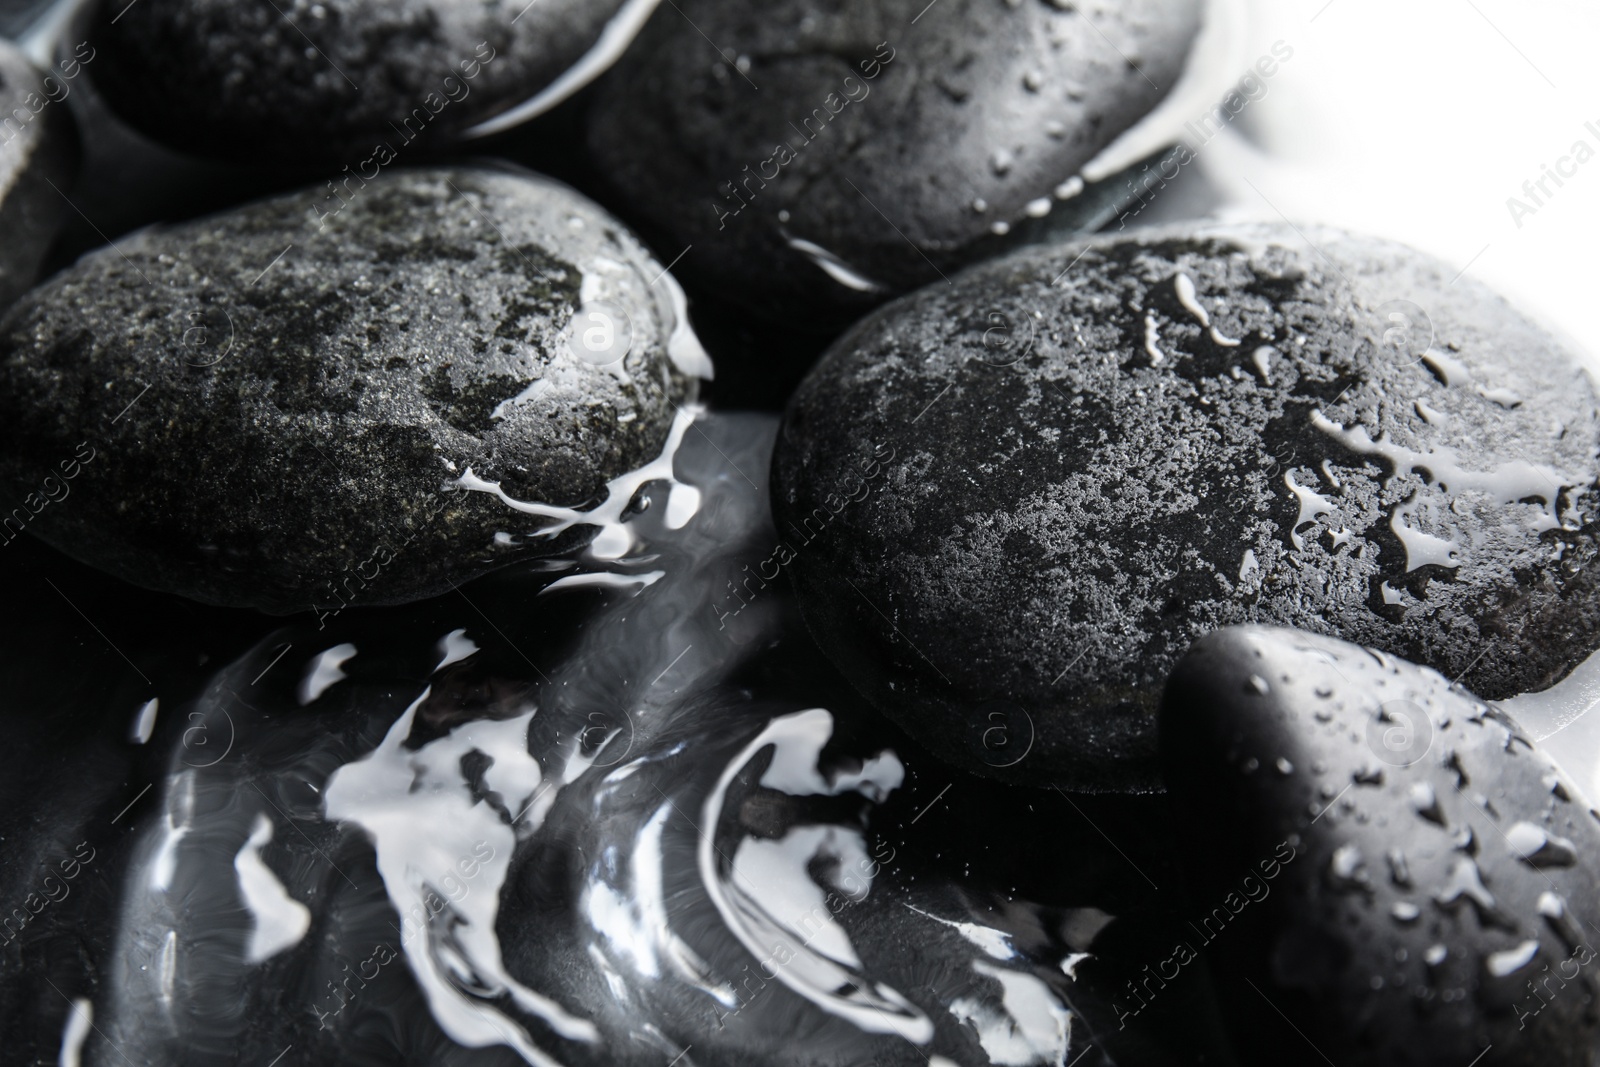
x,y
1251,765
1000,229
1002,161
1345,868
1313,505
1426,802
1284,766
1466,883
1032,80
1262,358
1508,962
1435,955
1370,773
1259,685
1405,911
1037,209
980,205
1551,906
1069,188
1399,870
1537,848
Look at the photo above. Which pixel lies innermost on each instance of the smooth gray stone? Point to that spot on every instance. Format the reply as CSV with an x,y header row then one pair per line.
x,y
270,80
38,159
1383,869
842,155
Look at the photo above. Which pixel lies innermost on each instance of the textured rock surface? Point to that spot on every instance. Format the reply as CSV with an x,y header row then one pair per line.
x,y
260,79
893,136
38,146
1085,478
256,411
1387,860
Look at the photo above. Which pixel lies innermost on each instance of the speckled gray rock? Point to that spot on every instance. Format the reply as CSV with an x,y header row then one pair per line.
x,y
1086,477
334,78
258,412
887,142
38,146
1386,860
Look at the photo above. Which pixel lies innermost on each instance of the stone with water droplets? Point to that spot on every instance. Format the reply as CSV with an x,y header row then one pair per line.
x,y
1429,958
355,81
38,148
878,128
258,412
1083,454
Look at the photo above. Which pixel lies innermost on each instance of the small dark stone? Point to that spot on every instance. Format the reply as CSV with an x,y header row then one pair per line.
x,y
1348,904
38,149
1016,500
886,143
332,78
264,407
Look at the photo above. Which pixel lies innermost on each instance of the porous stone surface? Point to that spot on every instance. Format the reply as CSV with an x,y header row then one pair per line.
x,y
271,407
1102,451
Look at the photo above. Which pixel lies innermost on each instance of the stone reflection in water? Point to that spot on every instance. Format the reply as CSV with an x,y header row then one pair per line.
x,y
594,824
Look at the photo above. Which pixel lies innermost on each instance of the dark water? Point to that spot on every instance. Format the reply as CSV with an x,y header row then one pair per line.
x,y
603,811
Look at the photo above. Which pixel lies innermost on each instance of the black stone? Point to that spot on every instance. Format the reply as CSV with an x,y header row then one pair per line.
x,y
38,150
1380,857
1061,479
265,80
252,411
874,132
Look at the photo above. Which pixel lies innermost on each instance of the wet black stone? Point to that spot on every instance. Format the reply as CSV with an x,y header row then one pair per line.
x,y
873,132
38,148
258,79
252,411
1362,852
1009,517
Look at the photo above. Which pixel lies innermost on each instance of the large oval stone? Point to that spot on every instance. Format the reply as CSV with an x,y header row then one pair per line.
x,y
276,406
843,154
1013,502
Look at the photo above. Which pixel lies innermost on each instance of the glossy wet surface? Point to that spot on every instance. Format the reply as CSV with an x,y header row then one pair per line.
x,y
616,812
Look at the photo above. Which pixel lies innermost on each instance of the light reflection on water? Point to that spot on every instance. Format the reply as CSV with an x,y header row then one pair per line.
x,y
593,827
